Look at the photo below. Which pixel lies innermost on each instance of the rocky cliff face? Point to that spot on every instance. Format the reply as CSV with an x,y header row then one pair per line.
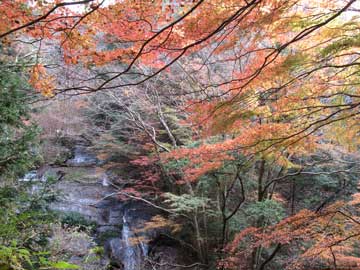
x,y
89,191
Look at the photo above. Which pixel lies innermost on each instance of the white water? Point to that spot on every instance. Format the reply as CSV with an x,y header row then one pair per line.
x,y
79,159
82,158
32,176
134,252
130,262
105,181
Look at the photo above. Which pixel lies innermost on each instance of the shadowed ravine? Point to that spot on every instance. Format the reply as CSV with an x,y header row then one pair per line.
x,y
118,223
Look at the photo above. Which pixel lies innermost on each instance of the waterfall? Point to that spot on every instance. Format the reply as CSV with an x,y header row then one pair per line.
x,y
79,158
134,249
105,181
129,247
82,157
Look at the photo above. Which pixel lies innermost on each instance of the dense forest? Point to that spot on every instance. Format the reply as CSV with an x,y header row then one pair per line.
x,y
179,134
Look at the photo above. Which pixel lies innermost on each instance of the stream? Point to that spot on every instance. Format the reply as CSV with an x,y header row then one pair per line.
x,y
135,250
119,224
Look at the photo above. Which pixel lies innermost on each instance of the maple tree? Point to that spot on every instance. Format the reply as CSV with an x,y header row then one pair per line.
x,y
262,84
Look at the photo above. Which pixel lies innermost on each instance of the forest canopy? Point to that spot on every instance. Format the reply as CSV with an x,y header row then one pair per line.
x,y
240,117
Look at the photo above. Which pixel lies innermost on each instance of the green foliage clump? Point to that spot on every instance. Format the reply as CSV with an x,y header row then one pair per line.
x,y
294,61
24,226
15,258
17,134
76,219
176,165
12,257
268,211
340,45
186,203
24,217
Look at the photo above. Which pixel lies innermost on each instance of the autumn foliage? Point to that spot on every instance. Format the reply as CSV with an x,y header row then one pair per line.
x,y
270,81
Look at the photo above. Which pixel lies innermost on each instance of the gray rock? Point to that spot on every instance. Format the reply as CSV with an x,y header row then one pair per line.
x,y
82,158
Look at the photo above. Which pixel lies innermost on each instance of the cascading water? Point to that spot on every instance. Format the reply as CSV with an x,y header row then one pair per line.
x,y
135,250
105,181
82,158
